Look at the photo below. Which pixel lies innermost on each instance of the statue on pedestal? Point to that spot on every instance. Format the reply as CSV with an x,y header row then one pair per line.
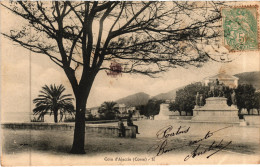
x,y
216,89
233,98
220,90
210,94
201,99
212,89
197,99
217,82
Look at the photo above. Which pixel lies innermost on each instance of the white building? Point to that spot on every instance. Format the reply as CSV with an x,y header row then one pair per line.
x,y
93,111
121,108
125,109
228,80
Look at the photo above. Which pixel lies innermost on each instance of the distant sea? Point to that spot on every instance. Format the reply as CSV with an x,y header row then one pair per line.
x,y
16,117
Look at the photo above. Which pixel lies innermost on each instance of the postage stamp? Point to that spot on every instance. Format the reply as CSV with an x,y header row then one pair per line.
x,y
240,28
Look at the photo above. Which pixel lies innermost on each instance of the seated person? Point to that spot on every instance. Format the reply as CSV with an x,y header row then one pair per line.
x,y
121,128
130,123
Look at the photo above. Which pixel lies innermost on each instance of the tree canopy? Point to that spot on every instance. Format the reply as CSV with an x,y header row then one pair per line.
x,y
151,108
246,97
108,110
146,37
51,99
186,97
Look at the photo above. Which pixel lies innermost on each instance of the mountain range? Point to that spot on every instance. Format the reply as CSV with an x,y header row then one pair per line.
x,y
142,98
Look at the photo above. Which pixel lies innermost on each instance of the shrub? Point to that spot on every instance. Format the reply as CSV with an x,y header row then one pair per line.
x,y
36,120
69,119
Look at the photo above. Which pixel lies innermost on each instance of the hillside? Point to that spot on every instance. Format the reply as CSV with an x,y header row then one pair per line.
x,y
252,78
166,96
135,99
141,98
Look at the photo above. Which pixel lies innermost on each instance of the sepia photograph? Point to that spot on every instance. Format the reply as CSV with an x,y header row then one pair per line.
x,y
87,83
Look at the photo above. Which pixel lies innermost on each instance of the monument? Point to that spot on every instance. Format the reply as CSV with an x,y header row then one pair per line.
x,y
164,112
216,108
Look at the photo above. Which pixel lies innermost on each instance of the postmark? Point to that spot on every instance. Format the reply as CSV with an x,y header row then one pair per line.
x,y
240,25
115,69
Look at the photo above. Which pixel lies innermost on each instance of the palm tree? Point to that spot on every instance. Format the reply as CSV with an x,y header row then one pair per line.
x,y
51,99
109,109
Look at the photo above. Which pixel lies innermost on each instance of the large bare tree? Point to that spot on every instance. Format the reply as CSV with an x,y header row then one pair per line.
x,y
83,38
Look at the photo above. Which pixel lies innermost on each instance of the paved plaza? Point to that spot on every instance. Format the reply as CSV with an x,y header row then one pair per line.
x,y
31,146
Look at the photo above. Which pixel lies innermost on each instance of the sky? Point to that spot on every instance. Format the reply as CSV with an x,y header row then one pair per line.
x,y
23,73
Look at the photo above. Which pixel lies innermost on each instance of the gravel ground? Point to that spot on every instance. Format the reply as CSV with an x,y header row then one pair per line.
x,y
33,146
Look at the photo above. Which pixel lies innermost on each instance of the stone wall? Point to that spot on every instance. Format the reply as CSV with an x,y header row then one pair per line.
x,y
111,130
252,119
103,129
39,126
176,117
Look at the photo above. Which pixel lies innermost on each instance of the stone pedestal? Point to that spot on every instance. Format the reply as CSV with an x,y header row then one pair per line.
x,y
215,110
164,112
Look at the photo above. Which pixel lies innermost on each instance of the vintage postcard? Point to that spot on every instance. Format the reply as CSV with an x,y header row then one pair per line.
x,y
86,83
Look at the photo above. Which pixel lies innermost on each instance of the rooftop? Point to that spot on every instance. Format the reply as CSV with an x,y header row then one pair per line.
x,y
221,76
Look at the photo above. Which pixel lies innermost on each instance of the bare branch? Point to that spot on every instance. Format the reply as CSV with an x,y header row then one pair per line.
x,y
97,54
39,4
73,9
132,19
33,47
119,15
158,34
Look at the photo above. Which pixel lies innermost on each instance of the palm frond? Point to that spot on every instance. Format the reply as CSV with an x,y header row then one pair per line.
x,y
52,98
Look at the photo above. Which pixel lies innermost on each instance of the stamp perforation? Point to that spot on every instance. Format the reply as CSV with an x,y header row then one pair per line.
x,y
258,28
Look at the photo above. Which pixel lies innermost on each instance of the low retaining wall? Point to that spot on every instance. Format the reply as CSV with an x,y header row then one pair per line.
x,y
252,119
103,129
178,117
130,131
103,121
39,126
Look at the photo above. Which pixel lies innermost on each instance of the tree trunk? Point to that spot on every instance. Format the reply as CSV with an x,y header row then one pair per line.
x,y
79,131
55,113
81,95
